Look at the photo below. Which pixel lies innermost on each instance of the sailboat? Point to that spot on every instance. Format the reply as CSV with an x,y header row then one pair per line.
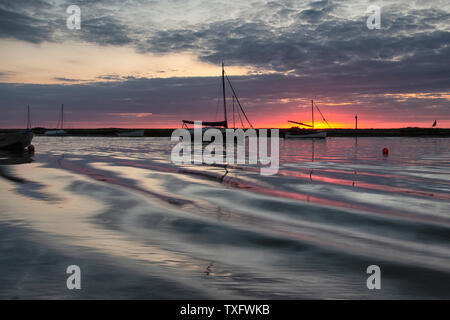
x,y
222,125
297,133
17,141
59,131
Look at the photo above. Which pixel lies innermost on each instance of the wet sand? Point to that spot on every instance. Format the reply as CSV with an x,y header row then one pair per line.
x,y
140,227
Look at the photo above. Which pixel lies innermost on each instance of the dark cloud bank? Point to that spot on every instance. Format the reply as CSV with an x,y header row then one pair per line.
x,y
313,52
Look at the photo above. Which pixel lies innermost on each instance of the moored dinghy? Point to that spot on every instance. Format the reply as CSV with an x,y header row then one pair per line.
x,y
297,133
17,141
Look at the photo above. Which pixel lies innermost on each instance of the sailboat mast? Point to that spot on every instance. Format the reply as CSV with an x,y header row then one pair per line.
x,y
312,113
224,98
28,118
234,122
62,116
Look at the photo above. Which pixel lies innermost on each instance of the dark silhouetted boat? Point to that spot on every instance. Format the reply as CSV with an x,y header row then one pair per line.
x,y
17,141
224,123
297,133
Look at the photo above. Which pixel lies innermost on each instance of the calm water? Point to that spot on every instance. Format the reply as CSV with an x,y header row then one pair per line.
x,y
140,227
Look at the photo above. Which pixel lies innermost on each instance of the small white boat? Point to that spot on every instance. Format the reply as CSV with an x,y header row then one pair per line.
x,y
137,133
58,132
16,140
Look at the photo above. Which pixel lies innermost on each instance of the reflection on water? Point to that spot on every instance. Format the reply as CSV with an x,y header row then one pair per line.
x,y
11,158
141,227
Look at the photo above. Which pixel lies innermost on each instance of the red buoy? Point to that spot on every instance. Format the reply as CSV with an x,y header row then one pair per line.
x,y
385,151
31,148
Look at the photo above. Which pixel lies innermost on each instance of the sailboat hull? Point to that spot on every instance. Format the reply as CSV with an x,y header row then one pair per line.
x,y
15,141
315,135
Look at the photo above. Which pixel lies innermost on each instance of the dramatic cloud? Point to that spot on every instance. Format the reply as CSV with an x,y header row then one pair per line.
x,y
104,31
23,27
411,46
294,51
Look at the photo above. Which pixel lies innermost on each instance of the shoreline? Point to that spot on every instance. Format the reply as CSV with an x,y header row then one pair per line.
x,y
401,132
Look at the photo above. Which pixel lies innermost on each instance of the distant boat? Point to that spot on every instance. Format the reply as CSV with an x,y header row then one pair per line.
x,y
59,131
136,133
297,133
224,123
17,141
434,124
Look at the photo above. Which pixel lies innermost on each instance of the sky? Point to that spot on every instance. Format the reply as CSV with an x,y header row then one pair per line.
x,y
151,64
